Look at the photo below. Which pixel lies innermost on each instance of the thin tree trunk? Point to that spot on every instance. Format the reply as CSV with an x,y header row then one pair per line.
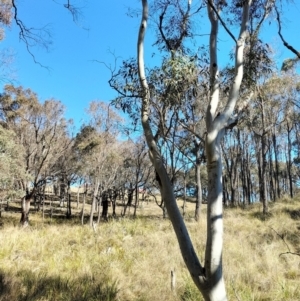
x,y
99,211
114,202
50,205
25,210
264,198
97,184
198,188
83,205
184,196
78,195
68,195
277,184
289,161
44,199
104,198
129,199
272,177
136,202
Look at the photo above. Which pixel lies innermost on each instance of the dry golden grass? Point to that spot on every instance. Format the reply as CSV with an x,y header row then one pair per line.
x,y
131,259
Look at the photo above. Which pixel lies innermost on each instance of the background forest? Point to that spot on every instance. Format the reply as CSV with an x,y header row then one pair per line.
x,y
106,170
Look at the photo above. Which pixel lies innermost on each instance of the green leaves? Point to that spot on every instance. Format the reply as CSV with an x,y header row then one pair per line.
x,y
11,162
289,64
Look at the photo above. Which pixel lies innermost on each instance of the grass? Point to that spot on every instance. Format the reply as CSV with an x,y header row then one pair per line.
x,y
131,259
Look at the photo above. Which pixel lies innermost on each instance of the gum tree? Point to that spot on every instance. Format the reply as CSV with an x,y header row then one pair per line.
x,y
207,276
41,130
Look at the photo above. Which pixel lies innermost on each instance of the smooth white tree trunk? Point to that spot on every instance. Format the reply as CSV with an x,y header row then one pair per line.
x,y
208,278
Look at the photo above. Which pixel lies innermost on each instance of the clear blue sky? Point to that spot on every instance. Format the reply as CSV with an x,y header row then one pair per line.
x,y
73,76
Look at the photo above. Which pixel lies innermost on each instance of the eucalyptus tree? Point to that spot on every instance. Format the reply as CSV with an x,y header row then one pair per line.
x,y
40,129
12,171
296,149
176,103
207,277
273,119
261,128
171,84
137,168
185,78
65,171
289,84
6,55
84,143
99,151
194,124
231,148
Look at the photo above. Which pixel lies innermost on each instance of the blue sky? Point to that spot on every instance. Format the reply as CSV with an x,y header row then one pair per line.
x,y
73,76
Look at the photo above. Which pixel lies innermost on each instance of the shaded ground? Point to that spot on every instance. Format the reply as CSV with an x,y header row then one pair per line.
x,y
29,286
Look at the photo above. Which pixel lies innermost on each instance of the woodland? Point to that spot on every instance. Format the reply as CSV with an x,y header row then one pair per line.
x,y
196,141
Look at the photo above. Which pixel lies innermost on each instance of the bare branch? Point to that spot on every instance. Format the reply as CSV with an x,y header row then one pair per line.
x,y
291,48
76,14
289,250
31,36
222,22
161,17
190,129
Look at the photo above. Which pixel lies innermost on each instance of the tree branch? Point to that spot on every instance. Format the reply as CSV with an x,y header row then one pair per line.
x,y
222,22
289,250
291,48
31,36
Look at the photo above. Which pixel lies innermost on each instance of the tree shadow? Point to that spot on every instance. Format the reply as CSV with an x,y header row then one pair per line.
x,y
262,216
294,214
25,285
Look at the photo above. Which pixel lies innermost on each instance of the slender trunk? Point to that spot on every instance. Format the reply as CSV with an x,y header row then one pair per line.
x,y
244,181
238,191
264,198
184,196
97,184
25,210
44,199
7,203
105,197
225,190
83,205
114,203
233,183
249,182
99,211
129,199
78,195
277,184
272,178
136,202
69,212
289,161
198,188
51,210
68,196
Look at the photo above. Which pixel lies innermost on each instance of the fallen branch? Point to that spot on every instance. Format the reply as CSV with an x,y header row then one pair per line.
x,y
289,250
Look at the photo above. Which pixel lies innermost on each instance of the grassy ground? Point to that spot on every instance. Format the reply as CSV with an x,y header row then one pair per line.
x,y
131,259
